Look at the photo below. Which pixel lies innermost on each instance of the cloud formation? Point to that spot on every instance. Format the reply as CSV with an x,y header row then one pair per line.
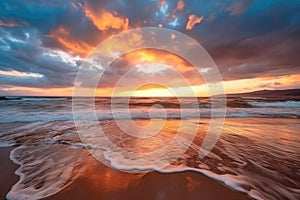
x,y
63,36
239,7
193,20
105,20
248,39
180,6
11,23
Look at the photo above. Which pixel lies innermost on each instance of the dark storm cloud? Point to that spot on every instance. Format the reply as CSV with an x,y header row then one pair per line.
x,y
22,56
47,16
262,41
25,48
246,38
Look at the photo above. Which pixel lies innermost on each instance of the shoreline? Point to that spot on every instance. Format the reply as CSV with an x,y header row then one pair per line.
x,y
155,185
101,182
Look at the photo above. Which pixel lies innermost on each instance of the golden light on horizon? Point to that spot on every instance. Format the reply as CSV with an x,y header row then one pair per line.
x,y
29,91
233,86
150,90
151,63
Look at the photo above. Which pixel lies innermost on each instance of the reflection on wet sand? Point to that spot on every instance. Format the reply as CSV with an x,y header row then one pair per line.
x,y
101,182
257,156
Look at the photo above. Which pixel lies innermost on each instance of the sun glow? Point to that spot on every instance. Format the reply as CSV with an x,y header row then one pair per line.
x,y
150,90
145,56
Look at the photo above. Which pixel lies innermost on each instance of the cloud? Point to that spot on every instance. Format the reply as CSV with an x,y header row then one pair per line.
x,y
31,65
239,7
180,6
192,21
20,74
11,23
148,66
105,20
246,39
63,36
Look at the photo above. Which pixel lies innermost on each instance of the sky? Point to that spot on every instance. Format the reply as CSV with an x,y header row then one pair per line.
x,y
255,44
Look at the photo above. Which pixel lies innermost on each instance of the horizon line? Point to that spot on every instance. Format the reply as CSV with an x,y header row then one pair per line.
x,y
104,96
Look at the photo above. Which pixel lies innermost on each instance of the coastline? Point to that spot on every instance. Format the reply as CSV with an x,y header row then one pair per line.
x,y
101,182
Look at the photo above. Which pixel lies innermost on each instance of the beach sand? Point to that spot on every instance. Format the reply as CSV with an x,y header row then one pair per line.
x,y
7,172
101,182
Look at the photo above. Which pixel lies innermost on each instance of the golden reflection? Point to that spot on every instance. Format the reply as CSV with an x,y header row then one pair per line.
x,y
143,145
105,180
192,183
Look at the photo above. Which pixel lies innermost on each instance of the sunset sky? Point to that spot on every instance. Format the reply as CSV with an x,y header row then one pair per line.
x,y
255,44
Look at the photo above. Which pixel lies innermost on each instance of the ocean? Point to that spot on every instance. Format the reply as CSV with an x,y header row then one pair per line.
x,y
257,152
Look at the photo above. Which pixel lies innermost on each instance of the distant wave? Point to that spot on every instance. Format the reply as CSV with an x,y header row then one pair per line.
x,y
142,114
47,109
168,103
34,98
288,104
45,99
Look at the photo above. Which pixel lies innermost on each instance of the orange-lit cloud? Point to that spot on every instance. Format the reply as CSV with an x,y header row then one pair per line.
x,y
144,58
155,56
105,20
20,74
180,6
193,20
149,56
162,3
254,58
63,36
150,65
11,24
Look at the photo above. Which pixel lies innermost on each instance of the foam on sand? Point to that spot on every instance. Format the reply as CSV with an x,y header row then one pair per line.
x,y
44,172
246,157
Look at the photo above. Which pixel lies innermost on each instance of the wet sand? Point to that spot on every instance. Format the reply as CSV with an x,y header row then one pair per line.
x,y
185,185
7,172
101,182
